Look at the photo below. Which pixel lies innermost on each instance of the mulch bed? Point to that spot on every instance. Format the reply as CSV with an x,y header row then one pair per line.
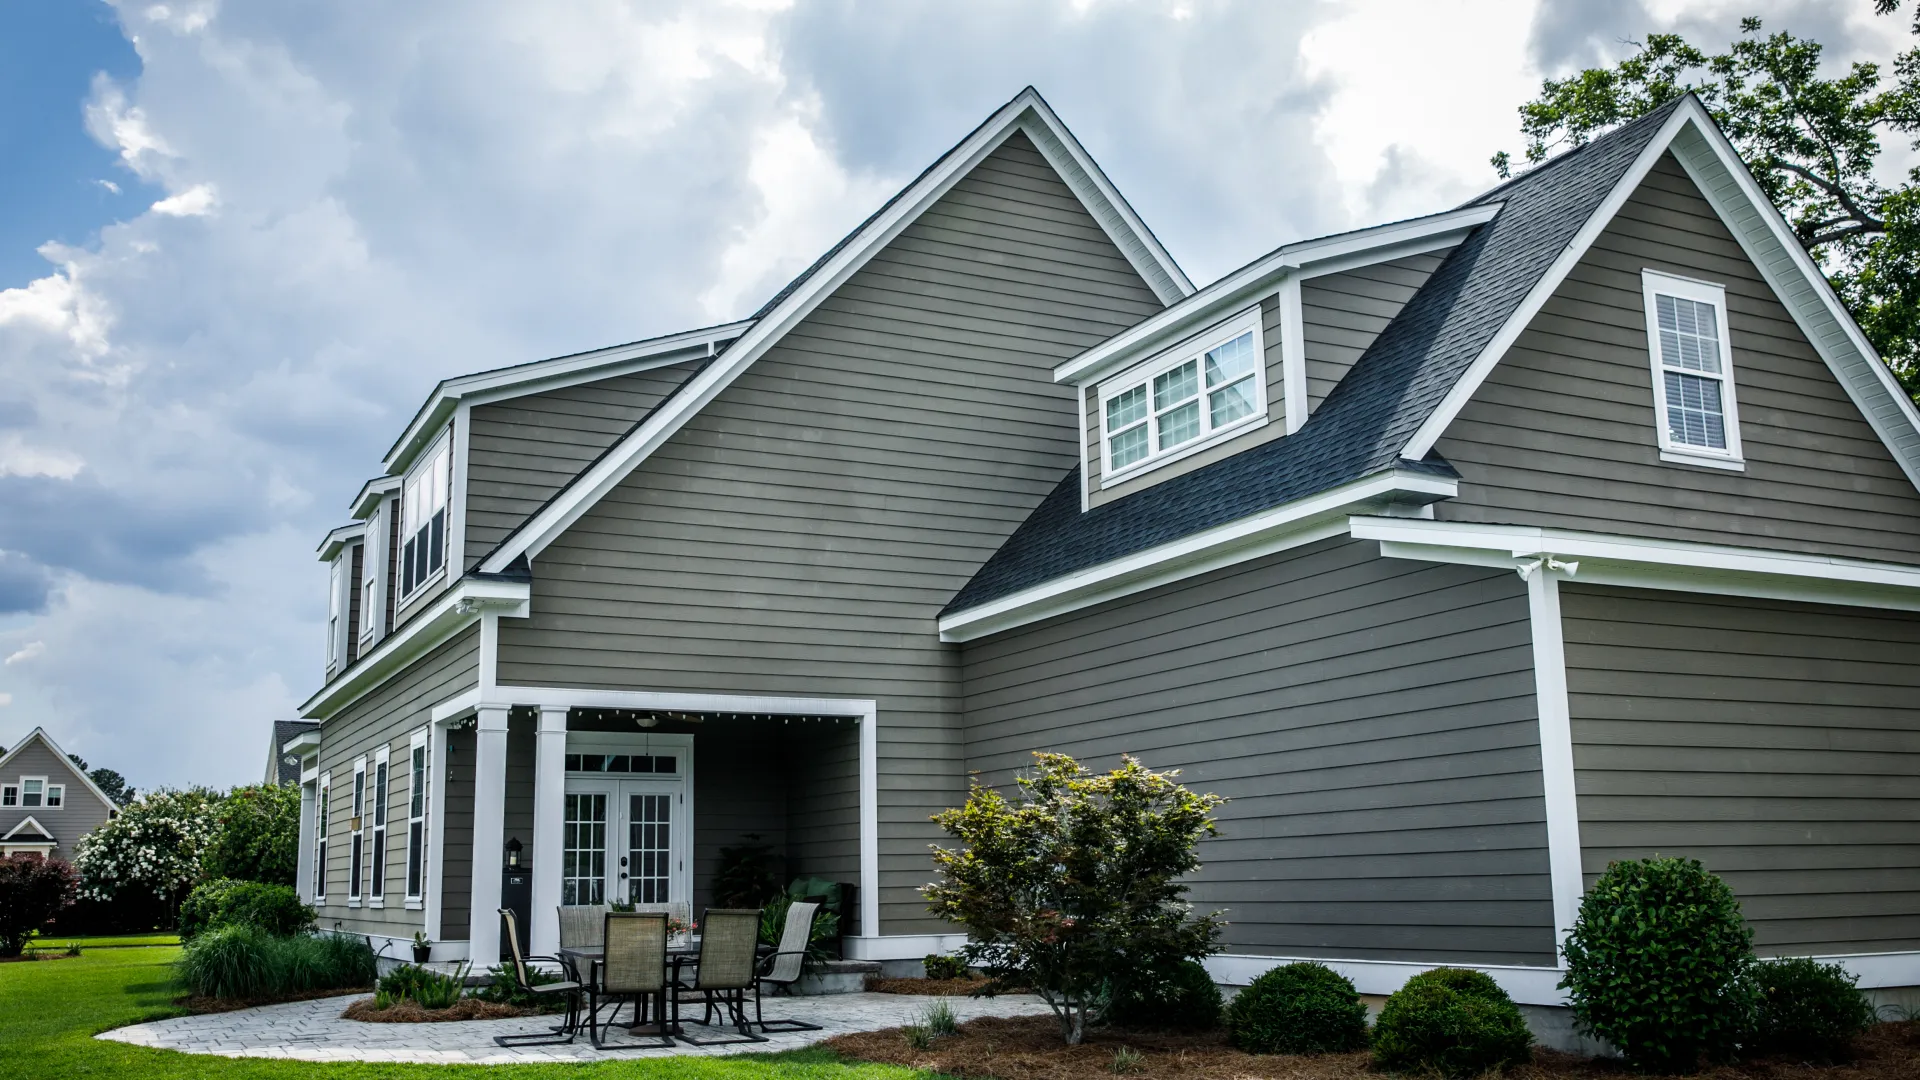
x,y
408,1012
1029,1048
936,987
200,1005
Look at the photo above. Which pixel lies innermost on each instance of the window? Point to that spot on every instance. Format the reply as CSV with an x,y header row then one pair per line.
x,y
56,795
373,564
10,795
1693,391
1180,401
320,840
378,862
356,855
333,612
423,518
417,818
32,791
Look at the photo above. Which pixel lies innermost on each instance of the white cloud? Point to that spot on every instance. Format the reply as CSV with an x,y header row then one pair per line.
x,y
5,700
26,652
18,458
111,187
197,201
56,304
123,127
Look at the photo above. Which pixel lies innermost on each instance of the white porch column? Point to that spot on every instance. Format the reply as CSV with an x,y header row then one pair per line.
x,y
549,812
303,871
489,832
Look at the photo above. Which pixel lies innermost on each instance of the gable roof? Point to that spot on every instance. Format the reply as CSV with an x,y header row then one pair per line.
x,y
284,732
1027,113
65,762
24,822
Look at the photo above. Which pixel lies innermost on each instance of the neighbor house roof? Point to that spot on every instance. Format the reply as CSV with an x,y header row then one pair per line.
x,y
284,732
65,761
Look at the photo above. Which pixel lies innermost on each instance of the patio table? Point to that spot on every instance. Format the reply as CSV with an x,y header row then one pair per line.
x,y
589,956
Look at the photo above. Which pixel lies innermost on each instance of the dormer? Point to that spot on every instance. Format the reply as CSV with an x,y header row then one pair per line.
x,y
1250,358
377,507
343,551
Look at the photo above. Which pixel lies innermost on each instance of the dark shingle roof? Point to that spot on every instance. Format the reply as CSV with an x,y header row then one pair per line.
x,y
1363,424
284,732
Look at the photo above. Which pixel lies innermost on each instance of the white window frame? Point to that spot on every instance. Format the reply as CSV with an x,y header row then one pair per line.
x,y
373,565
55,797
442,448
357,835
25,794
322,806
336,608
10,795
379,788
1194,348
419,804
1654,283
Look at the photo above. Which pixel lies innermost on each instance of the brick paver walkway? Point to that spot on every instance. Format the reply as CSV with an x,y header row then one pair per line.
x,y
314,1031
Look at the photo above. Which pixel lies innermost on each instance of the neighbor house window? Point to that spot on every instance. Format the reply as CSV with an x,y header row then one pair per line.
x,y
10,795
423,518
320,840
32,791
378,862
56,795
356,857
1693,393
417,818
1181,401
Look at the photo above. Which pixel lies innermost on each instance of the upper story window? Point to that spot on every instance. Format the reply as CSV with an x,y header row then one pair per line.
x,y
423,518
1693,393
1181,401
10,795
334,606
32,791
373,563
56,795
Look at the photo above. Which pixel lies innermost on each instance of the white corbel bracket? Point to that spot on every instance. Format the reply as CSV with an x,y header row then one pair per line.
x,y
1526,569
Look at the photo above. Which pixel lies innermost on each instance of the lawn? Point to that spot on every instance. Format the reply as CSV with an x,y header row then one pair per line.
x,y
50,1010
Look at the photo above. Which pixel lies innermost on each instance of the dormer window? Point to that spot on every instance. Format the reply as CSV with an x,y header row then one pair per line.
x,y
1183,400
1693,394
423,519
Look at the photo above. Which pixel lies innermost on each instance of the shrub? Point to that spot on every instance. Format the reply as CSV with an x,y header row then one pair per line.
x,y
743,876
1808,1010
1657,964
275,909
1450,1022
1182,997
945,967
148,855
1077,884
503,989
427,989
256,835
245,963
33,891
1298,1008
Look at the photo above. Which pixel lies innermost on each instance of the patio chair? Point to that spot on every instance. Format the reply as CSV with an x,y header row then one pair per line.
x,y
633,966
783,967
678,909
571,987
724,974
581,925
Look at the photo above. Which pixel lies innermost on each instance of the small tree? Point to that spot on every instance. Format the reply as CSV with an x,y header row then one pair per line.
x,y
258,838
150,852
33,891
1077,885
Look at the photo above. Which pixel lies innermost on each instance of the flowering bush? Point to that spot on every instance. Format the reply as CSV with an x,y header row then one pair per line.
x,y
151,849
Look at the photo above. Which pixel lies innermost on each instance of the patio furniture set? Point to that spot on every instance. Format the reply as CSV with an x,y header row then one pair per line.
x,y
608,958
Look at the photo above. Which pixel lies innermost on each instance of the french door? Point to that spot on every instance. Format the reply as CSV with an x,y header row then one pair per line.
x,y
625,841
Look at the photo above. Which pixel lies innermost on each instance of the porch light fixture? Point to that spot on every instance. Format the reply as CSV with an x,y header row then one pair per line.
x,y
513,853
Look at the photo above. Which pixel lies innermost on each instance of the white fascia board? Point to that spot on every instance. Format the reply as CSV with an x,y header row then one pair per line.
x,y
371,493
1024,112
454,611
1647,563
548,375
303,745
40,733
1310,258
340,538
24,822
1302,522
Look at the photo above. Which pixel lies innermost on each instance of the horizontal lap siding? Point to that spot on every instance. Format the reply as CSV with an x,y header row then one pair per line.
x,y
388,717
1563,431
1777,743
801,534
520,452
1372,722
80,812
1342,314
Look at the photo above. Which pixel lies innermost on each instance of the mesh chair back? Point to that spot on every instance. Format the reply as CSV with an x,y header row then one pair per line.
x,y
581,925
727,940
794,938
678,909
635,961
513,947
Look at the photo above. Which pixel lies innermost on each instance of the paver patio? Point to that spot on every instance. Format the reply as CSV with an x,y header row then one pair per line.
x,y
315,1031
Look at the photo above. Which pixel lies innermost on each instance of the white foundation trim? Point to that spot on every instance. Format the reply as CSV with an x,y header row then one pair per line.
x,y
1527,985
1556,751
902,946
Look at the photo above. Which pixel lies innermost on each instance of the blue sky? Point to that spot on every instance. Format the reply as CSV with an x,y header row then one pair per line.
x,y
323,208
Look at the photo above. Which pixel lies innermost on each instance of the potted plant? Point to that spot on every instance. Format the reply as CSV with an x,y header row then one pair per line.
x,y
422,948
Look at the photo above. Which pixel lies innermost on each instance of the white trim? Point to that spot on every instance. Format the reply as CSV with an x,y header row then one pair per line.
x,y
380,829
1086,463
1877,970
23,780
375,562
1527,985
24,822
323,832
1556,750
1293,353
1260,278
1022,113
303,863
418,788
869,819
1193,351
65,762
1654,284
549,821
457,469
489,831
374,492
1675,457
336,539
901,946
542,375
448,441
453,611
357,832
436,830
1265,533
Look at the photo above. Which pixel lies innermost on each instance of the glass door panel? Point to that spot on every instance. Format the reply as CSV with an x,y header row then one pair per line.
x,y
583,861
649,848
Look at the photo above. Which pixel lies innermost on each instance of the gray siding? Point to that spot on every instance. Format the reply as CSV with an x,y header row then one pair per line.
x,y
81,813
1342,314
1563,431
387,717
454,875
823,803
1371,720
801,534
523,450
1777,743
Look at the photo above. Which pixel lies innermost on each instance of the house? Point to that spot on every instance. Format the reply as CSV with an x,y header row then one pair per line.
x,y
284,767
46,802
1464,554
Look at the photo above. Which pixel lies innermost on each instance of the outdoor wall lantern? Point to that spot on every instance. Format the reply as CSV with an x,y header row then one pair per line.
x,y
513,853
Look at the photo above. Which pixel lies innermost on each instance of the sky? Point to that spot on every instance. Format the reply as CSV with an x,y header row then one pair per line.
x,y
240,243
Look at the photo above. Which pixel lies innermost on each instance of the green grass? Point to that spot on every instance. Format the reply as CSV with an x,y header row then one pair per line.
x,y
126,941
50,1010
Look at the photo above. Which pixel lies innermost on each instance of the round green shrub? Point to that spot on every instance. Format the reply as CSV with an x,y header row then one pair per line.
x,y
1657,964
201,908
945,967
1808,1010
274,909
1450,1022
1181,998
1298,1008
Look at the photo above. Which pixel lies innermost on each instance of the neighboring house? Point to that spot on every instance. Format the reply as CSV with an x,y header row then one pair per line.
x,y
283,765
1464,554
46,802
